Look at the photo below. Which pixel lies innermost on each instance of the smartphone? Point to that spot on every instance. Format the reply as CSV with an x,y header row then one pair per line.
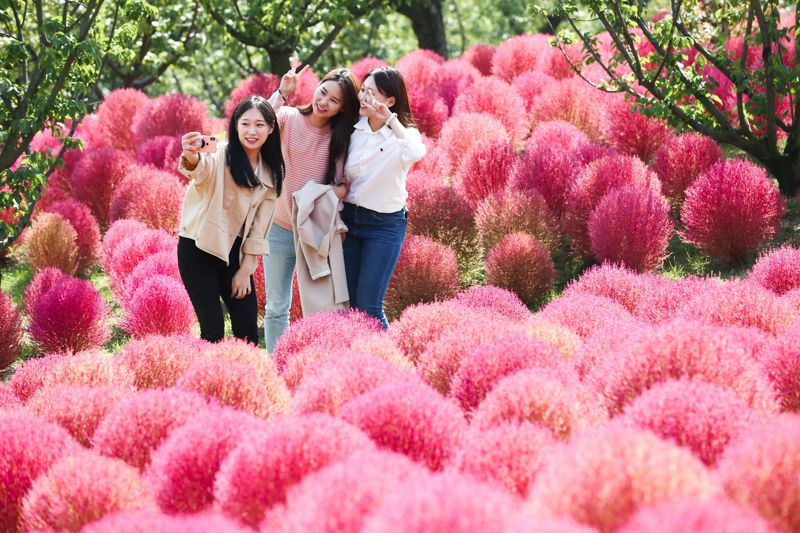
x,y
207,143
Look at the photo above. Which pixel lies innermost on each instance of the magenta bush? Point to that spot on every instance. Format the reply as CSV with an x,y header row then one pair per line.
x,y
632,133
157,361
420,67
681,159
442,213
455,77
29,376
163,153
556,134
428,108
261,84
481,56
531,84
435,165
697,516
522,264
574,101
159,306
117,232
96,175
363,66
8,399
152,196
780,360
496,97
159,264
10,331
519,54
550,170
157,522
170,114
87,231
115,117
464,130
513,211
485,169
778,269
619,283
129,252
494,300
585,313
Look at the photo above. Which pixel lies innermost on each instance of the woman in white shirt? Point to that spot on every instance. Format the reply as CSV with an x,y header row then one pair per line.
x,y
384,145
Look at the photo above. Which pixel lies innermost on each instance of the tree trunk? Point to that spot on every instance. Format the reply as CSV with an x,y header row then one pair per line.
x,y
278,60
785,169
427,21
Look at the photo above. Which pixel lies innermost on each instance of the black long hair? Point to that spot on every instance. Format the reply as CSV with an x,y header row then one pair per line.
x,y
390,83
342,123
271,154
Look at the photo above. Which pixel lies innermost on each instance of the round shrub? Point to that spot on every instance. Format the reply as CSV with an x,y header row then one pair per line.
x,y
257,473
552,398
333,382
70,316
82,488
603,341
160,306
585,313
616,282
261,84
480,56
682,349
363,66
171,114
519,54
8,400
455,77
157,361
663,298
426,271
494,300
28,447
759,470
409,418
90,368
483,367
152,196
10,331
116,234
564,339
632,227
496,97
160,152
522,264
132,250
604,476
115,117
529,85
780,360
135,427
96,175
778,270
435,165
632,133
573,101
681,159
513,211
420,67
593,183
79,409
51,241
731,208
509,455
157,522
697,516
29,376
158,264
464,130
485,169
703,417
87,231
556,134
549,170
182,469
429,109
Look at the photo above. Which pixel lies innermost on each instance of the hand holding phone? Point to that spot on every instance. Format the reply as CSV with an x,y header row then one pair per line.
x,y
206,143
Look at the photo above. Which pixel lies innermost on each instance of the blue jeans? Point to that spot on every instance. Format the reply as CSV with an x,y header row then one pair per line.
x,y
278,272
371,250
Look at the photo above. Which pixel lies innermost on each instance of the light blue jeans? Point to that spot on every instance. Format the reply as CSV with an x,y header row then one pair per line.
x,y
278,273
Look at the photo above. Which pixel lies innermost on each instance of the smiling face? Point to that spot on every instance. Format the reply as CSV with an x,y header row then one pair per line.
x,y
368,89
328,100
253,129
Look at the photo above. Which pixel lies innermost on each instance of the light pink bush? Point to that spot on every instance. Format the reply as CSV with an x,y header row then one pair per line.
x,y
116,234
496,97
157,361
29,376
90,368
258,472
759,470
494,300
522,264
28,447
632,227
681,349
87,231
701,416
170,114
663,297
157,522
420,67
134,428
604,476
428,108
115,117
96,175
780,360
633,133
485,169
426,271
10,331
442,213
564,339
509,455
363,66
681,159
697,516
82,488
182,469
531,84
621,284
481,56
261,84
8,399
70,316
159,306
464,130
519,54
435,164
604,340
730,209
513,211
152,196
50,241
778,269
556,134
550,170
159,264
585,313
136,247
409,418
573,101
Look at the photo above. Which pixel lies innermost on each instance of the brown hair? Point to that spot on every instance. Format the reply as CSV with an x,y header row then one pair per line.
x,y
390,83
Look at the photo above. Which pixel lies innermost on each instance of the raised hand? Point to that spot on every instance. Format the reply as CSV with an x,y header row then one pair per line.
x,y
289,81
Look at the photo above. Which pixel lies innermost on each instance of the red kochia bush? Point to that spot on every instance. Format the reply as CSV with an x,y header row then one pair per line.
x,y
573,101
519,54
117,232
455,77
70,316
160,264
10,331
409,418
522,264
511,211
435,164
29,376
95,177
261,84
778,270
498,98
485,169
759,470
557,134
87,238
157,361
621,284
159,306
132,250
89,368
420,67
681,159
426,271
604,476
464,130
633,133
550,170
363,66
171,114
442,213
531,84
28,447
730,209
585,313
158,522
780,360
161,152
115,117
429,109
258,472
8,399
481,56
82,488
701,416
697,516
494,300
631,226
152,196
51,241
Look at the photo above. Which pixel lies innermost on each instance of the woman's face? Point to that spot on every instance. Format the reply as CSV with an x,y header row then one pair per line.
x,y
370,90
253,129
328,99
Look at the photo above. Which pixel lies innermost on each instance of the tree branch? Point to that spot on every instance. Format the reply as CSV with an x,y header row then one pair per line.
x,y
743,122
766,52
324,45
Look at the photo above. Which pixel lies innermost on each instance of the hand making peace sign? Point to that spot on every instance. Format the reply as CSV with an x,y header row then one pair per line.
x,y
289,81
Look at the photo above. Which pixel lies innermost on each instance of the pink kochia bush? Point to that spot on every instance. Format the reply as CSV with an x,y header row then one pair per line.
x,y
585,313
485,169
498,98
556,133
8,400
266,462
409,418
519,54
778,270
426,271
171,114
465,130
681,159
509,455
633,133
697,516
429,109
730,209
159,264
604,476
522,264
495,300
780,360
70,316
631,226
115,117
157,361
135,427
621,284
260,84
10,331
152,196
550,170
51,241
87,231
96,175
703,417
82,488
573,101
157,522
132,250
116,234
28,448
759,470
481,57
43,281
361,68
89,368
159,306
512,211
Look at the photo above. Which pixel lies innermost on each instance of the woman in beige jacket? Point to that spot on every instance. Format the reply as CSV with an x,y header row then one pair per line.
x,y
227,214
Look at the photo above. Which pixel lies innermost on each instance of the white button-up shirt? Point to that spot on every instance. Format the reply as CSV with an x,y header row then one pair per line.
x,y
377,166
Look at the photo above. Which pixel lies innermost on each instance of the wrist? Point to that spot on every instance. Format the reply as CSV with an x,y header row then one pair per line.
x,y
388,121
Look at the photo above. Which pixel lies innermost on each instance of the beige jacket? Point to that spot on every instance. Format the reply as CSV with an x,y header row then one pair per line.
x,y
318,232
216,209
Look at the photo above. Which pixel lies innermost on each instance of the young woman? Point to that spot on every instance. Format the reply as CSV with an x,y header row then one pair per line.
x,y
315,141
227,212
383,147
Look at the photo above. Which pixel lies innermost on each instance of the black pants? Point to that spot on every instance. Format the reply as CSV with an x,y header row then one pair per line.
x,y
207,279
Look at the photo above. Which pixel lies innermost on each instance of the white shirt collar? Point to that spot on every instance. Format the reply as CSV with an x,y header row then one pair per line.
x,y
363,124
